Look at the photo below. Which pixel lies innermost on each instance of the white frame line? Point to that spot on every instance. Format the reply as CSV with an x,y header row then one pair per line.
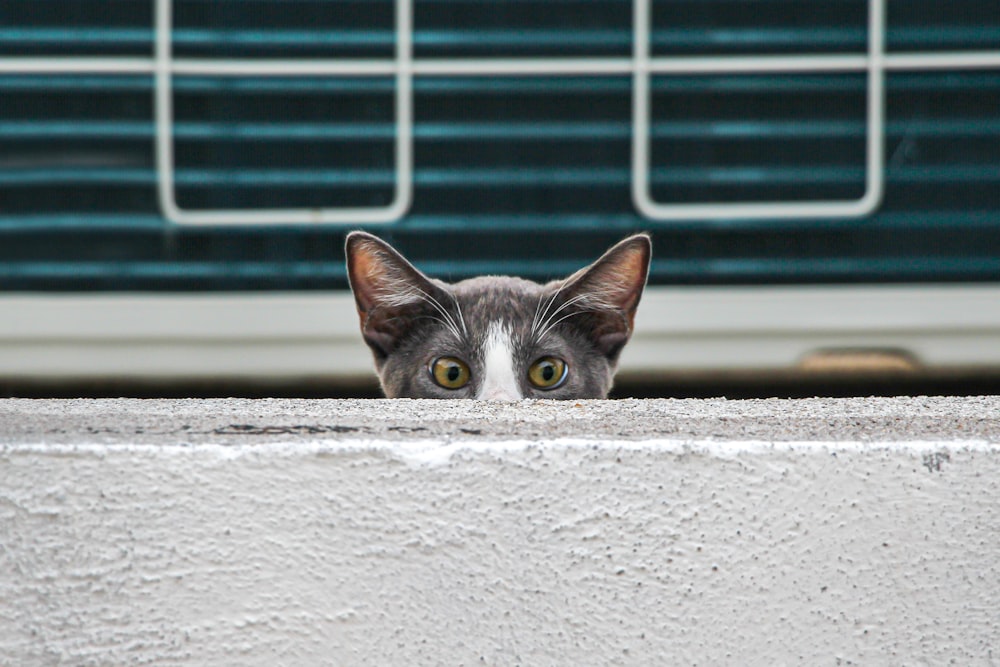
x,y
874,176
677,65
403,191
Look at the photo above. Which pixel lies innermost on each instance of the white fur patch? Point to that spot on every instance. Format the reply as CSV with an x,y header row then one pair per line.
x,y
499,379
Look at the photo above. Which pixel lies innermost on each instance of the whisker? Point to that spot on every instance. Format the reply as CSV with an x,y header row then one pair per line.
x,y
539,322
461,316
450,323
534,320
434,318
538,306
546,324
554,324
567,304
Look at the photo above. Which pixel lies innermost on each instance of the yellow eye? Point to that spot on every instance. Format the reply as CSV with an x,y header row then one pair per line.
x,y
450,373
547,373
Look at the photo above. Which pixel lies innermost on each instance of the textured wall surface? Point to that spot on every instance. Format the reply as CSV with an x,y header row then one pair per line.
x,y
409,533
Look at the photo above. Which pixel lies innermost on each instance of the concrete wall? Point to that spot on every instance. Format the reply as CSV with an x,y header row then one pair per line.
x,y
412,532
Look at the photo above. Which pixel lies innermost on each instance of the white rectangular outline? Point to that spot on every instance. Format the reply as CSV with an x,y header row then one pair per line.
x,y
403,191
874,177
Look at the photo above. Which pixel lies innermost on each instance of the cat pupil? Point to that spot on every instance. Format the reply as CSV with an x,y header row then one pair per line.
x,y
548,373
453,373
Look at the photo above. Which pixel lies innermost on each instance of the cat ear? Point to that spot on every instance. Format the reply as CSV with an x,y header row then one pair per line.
x,y
389,291
607,293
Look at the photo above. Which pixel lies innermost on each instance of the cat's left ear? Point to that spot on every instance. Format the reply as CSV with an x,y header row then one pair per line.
x,y
390,293
608,292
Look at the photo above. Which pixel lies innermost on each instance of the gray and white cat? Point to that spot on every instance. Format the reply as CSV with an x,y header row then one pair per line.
x,y
496,337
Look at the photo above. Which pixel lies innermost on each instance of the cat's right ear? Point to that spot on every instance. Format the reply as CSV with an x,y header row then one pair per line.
x,y
389,291
607,293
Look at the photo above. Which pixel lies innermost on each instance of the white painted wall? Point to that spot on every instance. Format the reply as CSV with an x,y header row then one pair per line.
x,y
460,553
295,337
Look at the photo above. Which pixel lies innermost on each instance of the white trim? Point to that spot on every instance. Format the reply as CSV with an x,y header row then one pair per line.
x,y
874,177
181,336
941,327
403,192
677,65
290,337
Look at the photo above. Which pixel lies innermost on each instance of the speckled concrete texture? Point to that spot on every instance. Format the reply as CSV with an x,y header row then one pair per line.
x,y
863,531
236,421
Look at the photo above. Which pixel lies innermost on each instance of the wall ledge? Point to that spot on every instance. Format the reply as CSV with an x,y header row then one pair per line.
x,y
269,532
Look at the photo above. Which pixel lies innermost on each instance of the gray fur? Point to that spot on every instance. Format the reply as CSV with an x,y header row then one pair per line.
x,y
409,320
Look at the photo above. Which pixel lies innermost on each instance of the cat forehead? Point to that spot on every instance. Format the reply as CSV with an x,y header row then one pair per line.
x,y
499,296
506,302
485,286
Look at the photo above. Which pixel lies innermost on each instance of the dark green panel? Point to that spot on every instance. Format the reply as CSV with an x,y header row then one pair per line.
x,y
521,174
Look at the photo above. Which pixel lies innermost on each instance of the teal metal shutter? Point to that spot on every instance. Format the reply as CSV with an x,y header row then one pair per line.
x,y
522,134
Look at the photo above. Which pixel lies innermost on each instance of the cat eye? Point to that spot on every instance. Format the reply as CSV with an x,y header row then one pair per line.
x,y
547,372
450,373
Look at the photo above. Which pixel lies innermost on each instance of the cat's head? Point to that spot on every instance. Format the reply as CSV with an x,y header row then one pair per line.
x,y
496,337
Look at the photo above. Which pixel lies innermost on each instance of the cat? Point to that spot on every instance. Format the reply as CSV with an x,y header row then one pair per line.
x,y
496,337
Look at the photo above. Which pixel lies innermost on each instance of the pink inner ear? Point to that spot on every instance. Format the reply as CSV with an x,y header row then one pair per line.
x,y
617,279
363,272
373,270
629,276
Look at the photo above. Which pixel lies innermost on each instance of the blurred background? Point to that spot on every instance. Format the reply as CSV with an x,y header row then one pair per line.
x,y
821,180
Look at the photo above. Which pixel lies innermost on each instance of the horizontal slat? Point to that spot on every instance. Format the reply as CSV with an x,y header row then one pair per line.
x,y
93,39
961,81
501,178
444,223
459,131
230,274
519,42
229,271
